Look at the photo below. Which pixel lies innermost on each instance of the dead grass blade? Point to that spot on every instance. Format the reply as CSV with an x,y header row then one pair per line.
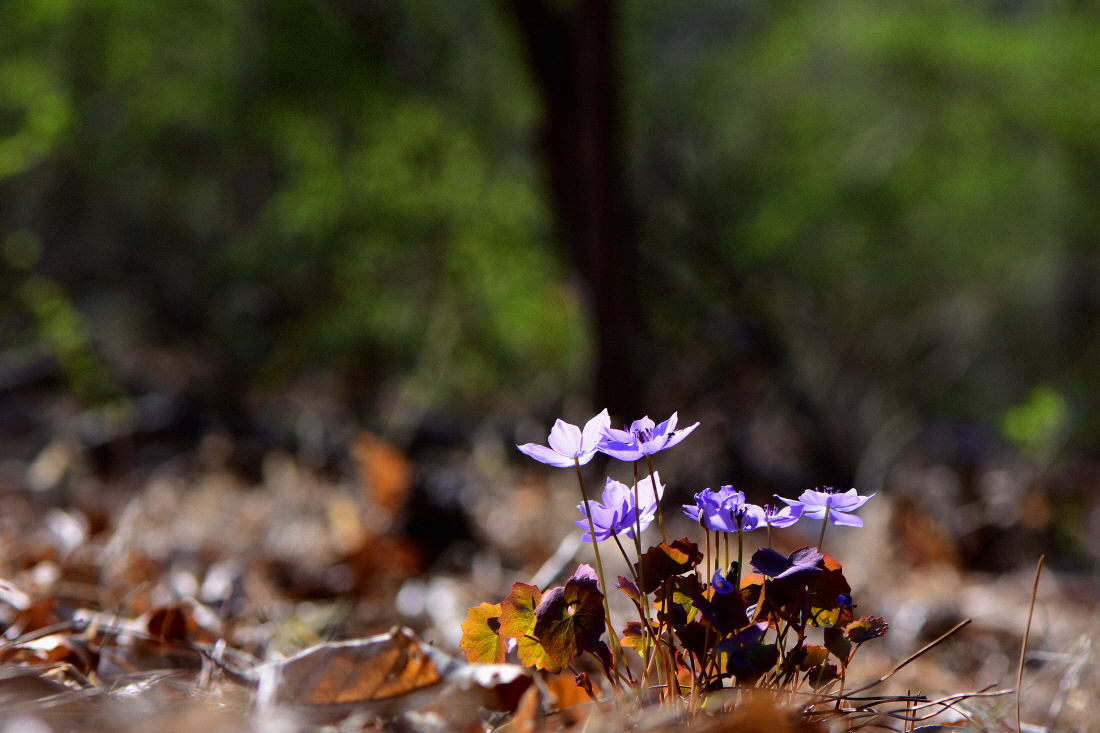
x,y
1027,631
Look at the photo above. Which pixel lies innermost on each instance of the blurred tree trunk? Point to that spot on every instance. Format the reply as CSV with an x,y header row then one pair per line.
x,y
570,46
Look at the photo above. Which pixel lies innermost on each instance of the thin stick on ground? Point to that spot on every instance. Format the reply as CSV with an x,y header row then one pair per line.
x,y
923,650
1027,631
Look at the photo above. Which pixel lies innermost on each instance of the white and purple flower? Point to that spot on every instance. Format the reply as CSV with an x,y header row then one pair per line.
x,y
642,438
829,504
617,514
569,445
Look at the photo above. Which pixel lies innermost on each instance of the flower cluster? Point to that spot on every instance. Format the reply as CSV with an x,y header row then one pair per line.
x,y
726,510
708,624
619,512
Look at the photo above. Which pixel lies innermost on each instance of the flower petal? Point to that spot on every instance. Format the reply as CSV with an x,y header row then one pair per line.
x,y
752,517
566,439
813,499
845,520
679,435
767,561
542,454
627,452
666,428
593,431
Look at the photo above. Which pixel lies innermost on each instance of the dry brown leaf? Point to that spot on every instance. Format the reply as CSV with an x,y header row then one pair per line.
x,y
358,671
528,717
386,473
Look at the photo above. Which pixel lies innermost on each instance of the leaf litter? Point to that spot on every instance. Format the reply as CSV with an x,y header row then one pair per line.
x,y
199,599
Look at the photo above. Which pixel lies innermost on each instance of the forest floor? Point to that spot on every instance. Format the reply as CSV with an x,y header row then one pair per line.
x,y
147,584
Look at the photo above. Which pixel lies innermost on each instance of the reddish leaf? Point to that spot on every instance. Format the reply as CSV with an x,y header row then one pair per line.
x,y
665,561
635,637
630,590
865,629
570,619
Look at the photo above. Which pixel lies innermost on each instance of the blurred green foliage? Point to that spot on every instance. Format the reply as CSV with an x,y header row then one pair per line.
x,y
308,186
908,189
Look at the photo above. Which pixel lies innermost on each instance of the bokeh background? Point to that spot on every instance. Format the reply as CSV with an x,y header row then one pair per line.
x,y
371,245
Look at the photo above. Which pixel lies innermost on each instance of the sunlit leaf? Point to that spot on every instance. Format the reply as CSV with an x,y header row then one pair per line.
x,y
665,561
865,629
517,610
481,640
635,637
630,590
570,619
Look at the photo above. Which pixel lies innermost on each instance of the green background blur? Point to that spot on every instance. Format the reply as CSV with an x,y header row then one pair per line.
x,y
895,206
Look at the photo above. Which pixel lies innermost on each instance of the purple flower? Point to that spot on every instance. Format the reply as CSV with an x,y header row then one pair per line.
x,y
617,513
799,565
828,503
568,443
785,517
720,584
642,438
725,510
650,491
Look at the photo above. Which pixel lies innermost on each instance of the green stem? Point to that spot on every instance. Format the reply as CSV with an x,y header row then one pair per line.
x,y
824,523
640,579
625,557
740,552
599,563
653,483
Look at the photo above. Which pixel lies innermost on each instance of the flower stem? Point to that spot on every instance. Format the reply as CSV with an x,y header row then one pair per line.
x,y
625,557
599,563
740,552
824,523
640,577
660,514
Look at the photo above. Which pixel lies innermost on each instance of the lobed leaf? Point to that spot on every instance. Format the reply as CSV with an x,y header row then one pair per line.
x,y
481,640
865,629
665,561
569,620
517,610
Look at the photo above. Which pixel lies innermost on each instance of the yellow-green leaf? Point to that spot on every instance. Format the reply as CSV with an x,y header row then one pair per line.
x,y
481,640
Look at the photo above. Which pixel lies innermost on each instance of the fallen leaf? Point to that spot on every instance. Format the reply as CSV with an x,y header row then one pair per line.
x,y
362,670
385,472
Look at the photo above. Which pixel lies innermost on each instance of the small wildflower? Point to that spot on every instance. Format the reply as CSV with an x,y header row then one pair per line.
x,y
642,438
568,443
720,584
617,514
829,503
725,510
799,565
782,517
